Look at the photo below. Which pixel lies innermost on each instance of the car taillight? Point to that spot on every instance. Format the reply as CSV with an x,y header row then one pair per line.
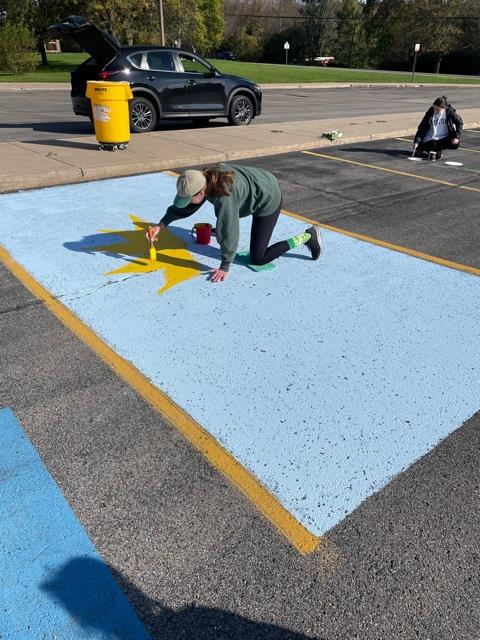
x,y
104,75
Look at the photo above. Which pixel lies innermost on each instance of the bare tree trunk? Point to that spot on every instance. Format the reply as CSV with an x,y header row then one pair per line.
x,y
111,22
42,51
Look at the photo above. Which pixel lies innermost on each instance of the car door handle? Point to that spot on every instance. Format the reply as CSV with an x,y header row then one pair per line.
x,y
191,82
150,77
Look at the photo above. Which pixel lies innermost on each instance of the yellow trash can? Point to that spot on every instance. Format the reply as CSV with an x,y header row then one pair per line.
x,y
111,117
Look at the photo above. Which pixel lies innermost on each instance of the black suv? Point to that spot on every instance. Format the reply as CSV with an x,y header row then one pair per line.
x,y
224,54
166,82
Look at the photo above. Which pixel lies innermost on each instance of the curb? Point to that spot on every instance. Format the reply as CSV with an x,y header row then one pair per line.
x,y
69,173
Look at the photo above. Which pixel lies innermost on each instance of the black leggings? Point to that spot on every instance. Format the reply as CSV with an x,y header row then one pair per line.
x,y
437,145
262,229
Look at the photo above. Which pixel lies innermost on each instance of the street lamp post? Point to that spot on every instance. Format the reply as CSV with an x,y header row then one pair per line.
x,y
162,30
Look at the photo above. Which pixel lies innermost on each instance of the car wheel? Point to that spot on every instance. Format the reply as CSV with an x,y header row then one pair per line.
x,y
143,116
241,111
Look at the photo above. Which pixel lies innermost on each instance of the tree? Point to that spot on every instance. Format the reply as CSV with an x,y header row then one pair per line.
x,y
212,16
123,18
38,15
351,46
273,50
431,24
318,24
17,48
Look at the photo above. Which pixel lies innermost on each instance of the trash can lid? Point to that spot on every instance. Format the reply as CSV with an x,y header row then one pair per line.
x,y
104,90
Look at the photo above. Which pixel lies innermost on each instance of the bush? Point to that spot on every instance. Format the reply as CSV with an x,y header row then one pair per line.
x,y
246,44
17,49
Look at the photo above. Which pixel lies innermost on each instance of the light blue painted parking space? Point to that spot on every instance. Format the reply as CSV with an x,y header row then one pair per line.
x,y
324,379
53,583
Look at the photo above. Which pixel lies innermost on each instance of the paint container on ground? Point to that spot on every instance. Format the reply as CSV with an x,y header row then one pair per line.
x,y
202,232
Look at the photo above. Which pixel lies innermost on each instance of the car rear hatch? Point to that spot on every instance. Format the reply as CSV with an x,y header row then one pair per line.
x,y
100,45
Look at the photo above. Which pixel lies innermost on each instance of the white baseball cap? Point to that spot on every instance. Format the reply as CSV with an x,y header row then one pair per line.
x,y
189,183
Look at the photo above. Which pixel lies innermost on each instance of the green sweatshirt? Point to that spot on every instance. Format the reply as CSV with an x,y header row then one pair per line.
x,y
254,192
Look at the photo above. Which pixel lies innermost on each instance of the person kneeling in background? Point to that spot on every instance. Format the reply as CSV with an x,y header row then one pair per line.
x,y
440,128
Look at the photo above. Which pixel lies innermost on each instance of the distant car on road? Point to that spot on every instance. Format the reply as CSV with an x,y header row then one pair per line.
x,y
223,54
166,82
323,60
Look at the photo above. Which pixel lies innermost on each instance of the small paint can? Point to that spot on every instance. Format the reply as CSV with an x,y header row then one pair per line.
x,y
202,232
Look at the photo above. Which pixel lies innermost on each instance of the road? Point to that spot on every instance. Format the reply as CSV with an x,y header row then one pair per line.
x,y
35,115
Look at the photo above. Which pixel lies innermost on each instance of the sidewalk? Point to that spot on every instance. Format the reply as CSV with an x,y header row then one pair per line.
x,y
27,165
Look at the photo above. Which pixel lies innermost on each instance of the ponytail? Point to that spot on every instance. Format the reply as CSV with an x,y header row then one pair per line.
x,y
441,102
219,182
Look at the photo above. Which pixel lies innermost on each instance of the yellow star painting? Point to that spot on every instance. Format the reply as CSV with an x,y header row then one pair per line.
x,y
177,264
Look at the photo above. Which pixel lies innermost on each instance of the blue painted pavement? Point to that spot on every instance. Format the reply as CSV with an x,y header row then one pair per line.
x,y
325,379
53,583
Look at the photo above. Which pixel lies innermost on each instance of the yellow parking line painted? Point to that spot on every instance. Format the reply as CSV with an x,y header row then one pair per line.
x,y
388,245
304,541
462,147
394,171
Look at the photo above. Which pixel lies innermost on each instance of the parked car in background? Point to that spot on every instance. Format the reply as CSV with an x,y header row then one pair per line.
x,y
166,82
322,60
223,54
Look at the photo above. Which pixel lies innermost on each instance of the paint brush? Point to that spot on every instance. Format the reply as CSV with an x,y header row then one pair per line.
x,y
153,253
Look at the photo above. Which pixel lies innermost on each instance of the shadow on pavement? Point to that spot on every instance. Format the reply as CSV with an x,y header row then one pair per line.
x,y
130,244
84,588
83,126
67,127
71,144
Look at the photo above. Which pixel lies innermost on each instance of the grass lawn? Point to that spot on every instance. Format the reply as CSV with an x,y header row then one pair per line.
x,y
277,73
58,69
62,64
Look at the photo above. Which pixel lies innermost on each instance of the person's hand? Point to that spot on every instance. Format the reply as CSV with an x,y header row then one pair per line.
x,y
455,141
217,275
152,233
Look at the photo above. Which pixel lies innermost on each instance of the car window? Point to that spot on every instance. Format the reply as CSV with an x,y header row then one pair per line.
x,y
193,65
136,59
160,61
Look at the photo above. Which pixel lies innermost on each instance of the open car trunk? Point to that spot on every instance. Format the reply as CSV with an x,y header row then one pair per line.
x,y
100,45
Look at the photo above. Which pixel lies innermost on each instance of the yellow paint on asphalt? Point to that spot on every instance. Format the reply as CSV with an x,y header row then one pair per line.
x,y
170,255
394,171
302,539
388,245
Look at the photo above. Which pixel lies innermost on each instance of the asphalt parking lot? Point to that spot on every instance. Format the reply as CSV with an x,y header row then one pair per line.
x,y
373,189
193,555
